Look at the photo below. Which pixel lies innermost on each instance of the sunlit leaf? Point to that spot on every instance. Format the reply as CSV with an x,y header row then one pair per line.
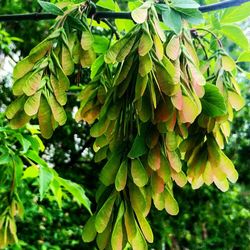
x,y
235,33
51,8
185,4
172,19
236,14
213,103
45,178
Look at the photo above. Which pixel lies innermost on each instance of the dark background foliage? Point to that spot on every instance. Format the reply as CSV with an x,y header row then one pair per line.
x,y
208,219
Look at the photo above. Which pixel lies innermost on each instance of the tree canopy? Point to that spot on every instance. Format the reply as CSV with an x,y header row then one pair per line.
x,y
153,96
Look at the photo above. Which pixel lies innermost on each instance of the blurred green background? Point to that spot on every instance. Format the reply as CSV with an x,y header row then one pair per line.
x,y
208,219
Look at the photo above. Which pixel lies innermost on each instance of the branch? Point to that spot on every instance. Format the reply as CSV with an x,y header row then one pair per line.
x,y
22,17
113,15
222,5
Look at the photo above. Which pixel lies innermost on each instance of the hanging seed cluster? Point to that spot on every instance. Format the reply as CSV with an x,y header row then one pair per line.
x,y
159,106
41,79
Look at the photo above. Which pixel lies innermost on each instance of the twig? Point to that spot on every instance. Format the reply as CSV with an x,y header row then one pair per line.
x,y
113,15
113,29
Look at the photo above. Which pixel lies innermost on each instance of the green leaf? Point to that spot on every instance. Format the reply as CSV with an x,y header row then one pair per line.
x,y
76,191
100,44
193,16
51,8
185,4
236,14
172,19
124,24
159,50
57,192
244,57
5,158
45,178
107,4
24,142
96,66
235,33
31,172
36,158
213,103
180,178
76,23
